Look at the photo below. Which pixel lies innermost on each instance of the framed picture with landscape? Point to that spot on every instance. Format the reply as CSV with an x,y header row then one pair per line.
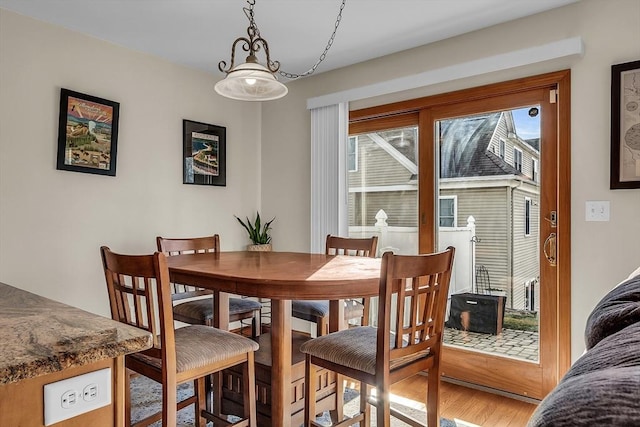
x,y
204,152
625,125
87,133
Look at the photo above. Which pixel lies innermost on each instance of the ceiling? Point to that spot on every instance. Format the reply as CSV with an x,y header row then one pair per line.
x,y
199,33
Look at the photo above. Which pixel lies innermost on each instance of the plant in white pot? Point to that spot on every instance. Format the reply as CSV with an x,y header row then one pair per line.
x,y
258,233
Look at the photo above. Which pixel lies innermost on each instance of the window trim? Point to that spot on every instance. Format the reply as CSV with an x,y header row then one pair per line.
x,y
518,165
502,149
527,216
355,154
453,197
535,172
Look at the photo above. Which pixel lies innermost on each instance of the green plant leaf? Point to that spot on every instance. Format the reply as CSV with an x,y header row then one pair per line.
x,y
258,232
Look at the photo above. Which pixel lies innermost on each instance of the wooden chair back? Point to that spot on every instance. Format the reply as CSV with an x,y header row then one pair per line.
x,y
188,246
351,246
140,295
415,289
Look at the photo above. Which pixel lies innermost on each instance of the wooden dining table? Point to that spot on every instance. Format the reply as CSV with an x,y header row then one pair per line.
x,y
280,277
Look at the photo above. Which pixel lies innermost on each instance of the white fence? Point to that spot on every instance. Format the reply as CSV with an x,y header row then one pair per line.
x,y
404,241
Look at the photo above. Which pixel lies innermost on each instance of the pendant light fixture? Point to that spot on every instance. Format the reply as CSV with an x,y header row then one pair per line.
x,y
253,81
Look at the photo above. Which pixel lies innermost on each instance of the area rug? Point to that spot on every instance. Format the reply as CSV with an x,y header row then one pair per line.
x,y
146,399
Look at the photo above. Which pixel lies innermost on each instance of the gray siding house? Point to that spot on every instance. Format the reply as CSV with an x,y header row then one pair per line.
x,y
486,171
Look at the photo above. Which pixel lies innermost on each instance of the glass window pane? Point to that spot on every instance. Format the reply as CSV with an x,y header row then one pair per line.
x,y
383,189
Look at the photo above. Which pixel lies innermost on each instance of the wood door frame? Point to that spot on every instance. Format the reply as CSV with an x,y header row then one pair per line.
x,y
423,107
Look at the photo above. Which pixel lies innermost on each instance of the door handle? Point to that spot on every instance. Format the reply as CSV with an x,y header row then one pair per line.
x,y
550,244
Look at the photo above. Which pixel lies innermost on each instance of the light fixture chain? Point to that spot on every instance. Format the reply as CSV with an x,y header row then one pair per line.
x,y
324,53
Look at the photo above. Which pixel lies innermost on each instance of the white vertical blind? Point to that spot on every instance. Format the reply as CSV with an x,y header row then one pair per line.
x,y
329,132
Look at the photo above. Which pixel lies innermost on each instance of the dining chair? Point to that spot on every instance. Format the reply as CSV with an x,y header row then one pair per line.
x,y
140,295
318,311
199,311
408,339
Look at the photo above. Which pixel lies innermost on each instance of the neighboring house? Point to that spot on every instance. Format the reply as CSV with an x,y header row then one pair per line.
x,y
486,171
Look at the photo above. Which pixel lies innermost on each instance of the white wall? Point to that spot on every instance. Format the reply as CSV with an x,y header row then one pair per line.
x,y
52,222
602,253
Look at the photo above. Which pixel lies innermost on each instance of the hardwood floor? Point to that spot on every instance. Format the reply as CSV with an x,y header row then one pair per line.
x,y
469,405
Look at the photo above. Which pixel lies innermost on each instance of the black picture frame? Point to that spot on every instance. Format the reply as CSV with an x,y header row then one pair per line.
x,y
87,133
625,125
204,154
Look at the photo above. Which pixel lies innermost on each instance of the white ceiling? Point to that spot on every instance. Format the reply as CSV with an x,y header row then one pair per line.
x,y
199,33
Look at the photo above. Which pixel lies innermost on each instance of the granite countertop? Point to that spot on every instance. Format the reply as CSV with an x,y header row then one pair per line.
x,y
40,336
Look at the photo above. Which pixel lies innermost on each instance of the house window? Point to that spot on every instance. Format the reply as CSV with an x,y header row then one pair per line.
x,y
447,211
502,148
534,170
517,159
527,216
530,295
352,154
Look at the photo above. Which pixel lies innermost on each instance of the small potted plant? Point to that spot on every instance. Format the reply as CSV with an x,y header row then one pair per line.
x,y
258,233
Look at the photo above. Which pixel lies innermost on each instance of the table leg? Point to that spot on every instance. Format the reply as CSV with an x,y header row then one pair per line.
x,y
221,310
280,363
338,323
336,316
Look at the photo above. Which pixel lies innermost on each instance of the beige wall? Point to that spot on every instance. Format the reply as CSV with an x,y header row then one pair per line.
x,y
602,253
52,222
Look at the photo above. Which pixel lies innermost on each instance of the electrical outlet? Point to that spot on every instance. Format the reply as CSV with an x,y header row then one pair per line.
x,y
74,396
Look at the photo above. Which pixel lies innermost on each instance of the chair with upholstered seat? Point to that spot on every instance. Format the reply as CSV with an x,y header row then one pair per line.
x,y
408,340
318,311
199,311
140,295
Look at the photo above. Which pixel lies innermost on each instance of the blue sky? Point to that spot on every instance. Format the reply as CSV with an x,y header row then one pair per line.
x,y
526,127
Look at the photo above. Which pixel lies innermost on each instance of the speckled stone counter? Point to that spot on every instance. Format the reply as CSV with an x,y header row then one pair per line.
x,y
39,336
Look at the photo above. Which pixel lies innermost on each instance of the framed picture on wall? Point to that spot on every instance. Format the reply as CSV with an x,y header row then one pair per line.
x,y
625,125
205,154
87,133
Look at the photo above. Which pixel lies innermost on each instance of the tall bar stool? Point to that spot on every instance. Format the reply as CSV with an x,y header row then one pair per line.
x,y
140,295
199,311
318,311
401,346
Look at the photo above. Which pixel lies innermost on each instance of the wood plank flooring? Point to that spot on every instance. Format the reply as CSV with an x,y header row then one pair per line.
x,y
469,405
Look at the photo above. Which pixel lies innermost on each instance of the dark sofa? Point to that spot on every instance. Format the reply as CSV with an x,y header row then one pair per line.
x,y
602,388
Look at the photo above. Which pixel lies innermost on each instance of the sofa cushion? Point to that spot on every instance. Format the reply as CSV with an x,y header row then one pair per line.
x,y
605,397
617,310
620,350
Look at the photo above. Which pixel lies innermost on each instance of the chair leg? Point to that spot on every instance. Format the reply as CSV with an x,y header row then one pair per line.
x,y
256,324
433,393
249,390
364,405
383,406
201,401
339,396
309,392
127,398
322,326
366,302
216,388
169,403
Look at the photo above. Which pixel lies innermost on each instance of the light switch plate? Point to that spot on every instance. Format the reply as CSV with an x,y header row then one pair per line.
x,y
74,396
597,210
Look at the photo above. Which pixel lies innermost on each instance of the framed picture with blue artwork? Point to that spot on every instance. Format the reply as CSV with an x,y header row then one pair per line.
x,y
625,125
204,152
87,133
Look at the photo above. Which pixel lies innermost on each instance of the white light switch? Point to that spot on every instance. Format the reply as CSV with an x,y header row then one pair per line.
x,y
597,210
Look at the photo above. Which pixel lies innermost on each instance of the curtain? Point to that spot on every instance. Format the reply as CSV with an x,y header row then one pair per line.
x,y
329,133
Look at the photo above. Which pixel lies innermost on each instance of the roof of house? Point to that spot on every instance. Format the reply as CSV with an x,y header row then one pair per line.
x,y
464,148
